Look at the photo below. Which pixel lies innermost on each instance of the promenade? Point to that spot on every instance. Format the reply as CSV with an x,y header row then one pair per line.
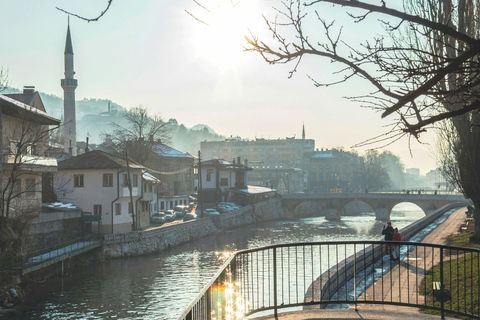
x,y
398,276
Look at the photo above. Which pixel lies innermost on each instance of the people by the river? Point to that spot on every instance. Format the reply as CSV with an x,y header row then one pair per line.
x,y
388,232
396,247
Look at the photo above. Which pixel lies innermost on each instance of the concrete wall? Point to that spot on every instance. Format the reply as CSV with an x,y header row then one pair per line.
x,y
344,271
155,240
52,228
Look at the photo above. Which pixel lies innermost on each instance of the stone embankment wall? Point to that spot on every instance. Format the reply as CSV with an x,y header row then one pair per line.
x,y
339,274
52,228
158,239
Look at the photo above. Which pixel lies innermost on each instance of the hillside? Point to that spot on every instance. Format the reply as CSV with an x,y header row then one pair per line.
x,y
94,117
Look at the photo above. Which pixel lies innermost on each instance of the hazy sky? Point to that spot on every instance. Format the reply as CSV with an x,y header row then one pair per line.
x,y
152,53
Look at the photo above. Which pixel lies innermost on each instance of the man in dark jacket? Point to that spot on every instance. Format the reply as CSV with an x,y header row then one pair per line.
x,y
388,232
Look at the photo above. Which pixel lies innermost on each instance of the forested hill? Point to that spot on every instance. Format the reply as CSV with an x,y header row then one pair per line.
x,y
94,119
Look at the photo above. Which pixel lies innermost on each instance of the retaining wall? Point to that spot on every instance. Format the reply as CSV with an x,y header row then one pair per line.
x,y
339,274
158,239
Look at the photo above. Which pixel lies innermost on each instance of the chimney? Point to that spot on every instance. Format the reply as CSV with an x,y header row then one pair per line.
x,y
238,160
28,91
233,161
245,162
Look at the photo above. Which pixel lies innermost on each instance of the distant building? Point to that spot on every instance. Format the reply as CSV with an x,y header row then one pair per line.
x,y
413,179
331,171
272,159
174,169
219,177
436,180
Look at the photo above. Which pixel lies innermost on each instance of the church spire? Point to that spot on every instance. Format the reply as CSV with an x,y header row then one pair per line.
x,y
303,132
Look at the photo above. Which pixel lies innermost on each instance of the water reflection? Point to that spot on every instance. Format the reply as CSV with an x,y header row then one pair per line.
x,y
160,286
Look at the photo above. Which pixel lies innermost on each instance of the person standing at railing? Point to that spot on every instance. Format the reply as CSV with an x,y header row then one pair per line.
x,y
396,247
388,232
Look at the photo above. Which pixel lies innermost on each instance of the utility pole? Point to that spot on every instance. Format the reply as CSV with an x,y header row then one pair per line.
x,y
200,196
129,185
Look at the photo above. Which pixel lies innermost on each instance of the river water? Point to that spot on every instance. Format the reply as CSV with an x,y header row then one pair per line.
x,y
160,286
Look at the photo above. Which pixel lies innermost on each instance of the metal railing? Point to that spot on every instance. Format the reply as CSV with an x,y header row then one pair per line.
x,y
303,275
35,257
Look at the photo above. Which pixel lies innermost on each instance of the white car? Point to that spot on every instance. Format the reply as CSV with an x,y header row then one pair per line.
x,y
229,204
210,212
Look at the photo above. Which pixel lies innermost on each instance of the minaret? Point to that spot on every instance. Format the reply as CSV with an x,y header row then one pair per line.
x,y
69,84
303,132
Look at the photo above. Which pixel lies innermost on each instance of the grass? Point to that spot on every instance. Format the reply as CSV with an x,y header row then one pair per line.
x,y
461,278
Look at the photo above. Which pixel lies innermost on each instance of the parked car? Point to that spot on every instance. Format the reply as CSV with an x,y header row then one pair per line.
x,y
190,216
180,210
230,204
225,207
210,212
221,209
158,218
170,215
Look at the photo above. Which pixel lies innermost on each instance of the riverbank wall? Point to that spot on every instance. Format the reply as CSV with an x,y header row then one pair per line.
x,y
159,239
339,274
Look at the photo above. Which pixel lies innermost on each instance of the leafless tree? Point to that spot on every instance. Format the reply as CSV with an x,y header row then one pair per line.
x,y
109,3
24,146
3,79
424,70
139,136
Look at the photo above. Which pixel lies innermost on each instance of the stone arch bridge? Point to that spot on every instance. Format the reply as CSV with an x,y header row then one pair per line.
x,y
332,204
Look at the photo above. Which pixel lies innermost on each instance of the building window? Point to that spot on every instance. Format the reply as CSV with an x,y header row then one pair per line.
x,y
118,209
209,174
135,180
130,208
125,180
171,204
30,187
97,209
162,205
224,182
108,179
78,180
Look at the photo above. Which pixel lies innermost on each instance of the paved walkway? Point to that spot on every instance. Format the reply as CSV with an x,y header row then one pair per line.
x,y
400,277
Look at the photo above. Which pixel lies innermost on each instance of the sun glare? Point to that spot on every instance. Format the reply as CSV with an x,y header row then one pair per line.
x,y
220,37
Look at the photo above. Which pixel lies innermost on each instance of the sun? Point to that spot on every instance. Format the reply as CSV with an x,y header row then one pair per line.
x,y
219,31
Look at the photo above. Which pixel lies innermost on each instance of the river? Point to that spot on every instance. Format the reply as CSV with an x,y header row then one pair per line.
x,y
160,286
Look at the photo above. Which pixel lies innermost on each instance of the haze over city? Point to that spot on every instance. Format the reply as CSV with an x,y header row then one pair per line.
x,y
153,53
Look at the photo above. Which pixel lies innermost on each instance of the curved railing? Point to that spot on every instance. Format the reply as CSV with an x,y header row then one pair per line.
x,y
350,272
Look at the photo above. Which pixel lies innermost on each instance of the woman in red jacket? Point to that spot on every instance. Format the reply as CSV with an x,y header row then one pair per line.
x,y
396,247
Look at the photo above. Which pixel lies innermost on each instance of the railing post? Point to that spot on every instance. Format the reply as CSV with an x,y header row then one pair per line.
x,y
275,311
233,271
442,286
355,275
208,307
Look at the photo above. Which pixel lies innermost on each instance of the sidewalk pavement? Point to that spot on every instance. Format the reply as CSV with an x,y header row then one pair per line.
x,y
380,311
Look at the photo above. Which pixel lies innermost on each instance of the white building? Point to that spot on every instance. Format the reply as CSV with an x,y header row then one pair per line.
x,y
98,183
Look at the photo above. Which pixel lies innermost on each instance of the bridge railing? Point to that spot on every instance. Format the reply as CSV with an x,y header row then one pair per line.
x,y
355,272
38,256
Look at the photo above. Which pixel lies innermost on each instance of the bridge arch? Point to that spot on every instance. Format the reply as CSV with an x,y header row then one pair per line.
x,y
382,203
408,209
